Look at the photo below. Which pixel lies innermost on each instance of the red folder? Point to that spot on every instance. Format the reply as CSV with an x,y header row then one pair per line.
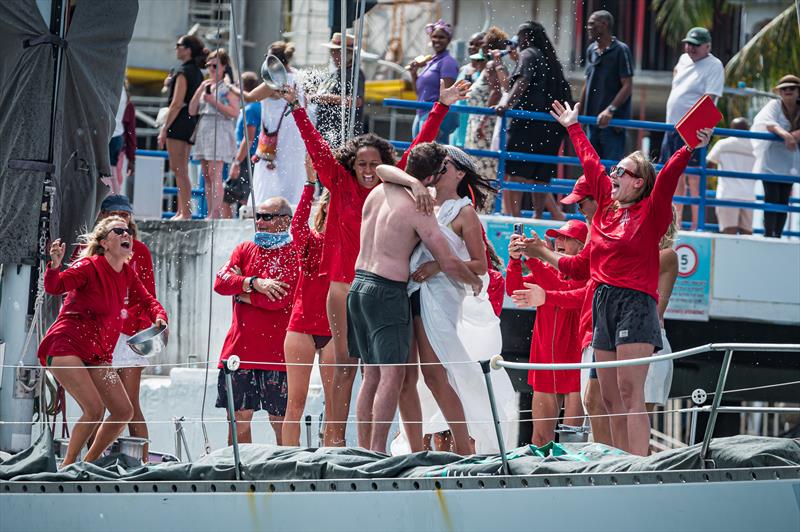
x,y
702,114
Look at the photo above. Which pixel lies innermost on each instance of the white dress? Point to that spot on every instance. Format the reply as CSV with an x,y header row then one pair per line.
x,y
288,176
462,329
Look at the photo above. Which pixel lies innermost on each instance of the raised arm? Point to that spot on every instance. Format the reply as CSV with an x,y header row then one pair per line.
x,y
321,155
393,174
74,277
300,230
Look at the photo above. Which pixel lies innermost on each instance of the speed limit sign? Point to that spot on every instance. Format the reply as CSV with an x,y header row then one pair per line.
x,y
687,260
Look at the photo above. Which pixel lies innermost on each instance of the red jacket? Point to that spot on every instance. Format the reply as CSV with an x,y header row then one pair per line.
x,y
555,330
625,241
90,319
577,267
258,329
309,314
343,229
142,263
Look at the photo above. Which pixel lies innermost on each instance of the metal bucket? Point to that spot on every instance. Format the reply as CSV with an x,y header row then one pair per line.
x,y
133,447
572,434
150,341
274,73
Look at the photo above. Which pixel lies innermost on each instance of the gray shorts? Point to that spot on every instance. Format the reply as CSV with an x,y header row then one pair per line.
x,y
378,319
624,316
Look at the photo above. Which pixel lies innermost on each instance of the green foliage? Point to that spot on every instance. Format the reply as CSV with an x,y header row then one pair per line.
x,y
676,17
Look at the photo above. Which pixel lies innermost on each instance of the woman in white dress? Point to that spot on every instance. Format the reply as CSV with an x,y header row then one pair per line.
x,y
215,134
455,329
280,168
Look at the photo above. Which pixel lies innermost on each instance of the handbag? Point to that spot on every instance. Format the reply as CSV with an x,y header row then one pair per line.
x,y
161,117
268,142
237,190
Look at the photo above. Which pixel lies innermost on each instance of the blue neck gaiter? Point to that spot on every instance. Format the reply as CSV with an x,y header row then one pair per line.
x,y
272,240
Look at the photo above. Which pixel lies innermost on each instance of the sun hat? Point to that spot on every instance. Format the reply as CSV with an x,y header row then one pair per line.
x,y
336,42
787,81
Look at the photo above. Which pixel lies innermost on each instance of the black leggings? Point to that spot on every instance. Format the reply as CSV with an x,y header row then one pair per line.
x,y
774,221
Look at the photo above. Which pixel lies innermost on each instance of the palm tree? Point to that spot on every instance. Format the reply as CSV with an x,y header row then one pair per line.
x,y
771,53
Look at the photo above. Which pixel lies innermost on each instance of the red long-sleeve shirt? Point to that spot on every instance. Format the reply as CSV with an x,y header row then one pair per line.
x,y
91,317
555,329
309,315
625,241
129,132
343,229
577,267
258,329
142,263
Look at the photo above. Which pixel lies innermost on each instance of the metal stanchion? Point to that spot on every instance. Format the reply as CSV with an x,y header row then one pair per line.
x,y
712,418
308,430
486,367
230,366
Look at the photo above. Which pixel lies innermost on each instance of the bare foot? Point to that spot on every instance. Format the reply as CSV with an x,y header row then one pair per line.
x,y
180,217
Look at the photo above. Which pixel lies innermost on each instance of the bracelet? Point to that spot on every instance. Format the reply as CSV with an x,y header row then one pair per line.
x,y
293,105
312,183
689,148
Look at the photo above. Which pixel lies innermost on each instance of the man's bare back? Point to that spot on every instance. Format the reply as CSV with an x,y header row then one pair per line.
x,y
391,228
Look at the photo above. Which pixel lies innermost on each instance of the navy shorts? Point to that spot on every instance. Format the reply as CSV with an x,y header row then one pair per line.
x,y
673,142
255,389
624,316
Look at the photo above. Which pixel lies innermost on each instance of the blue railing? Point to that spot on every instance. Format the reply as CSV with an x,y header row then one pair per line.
x,y
198,193
562,186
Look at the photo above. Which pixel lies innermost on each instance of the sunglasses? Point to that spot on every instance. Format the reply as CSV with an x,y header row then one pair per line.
x,y
180,45
268,217
120,231
619,171
443,169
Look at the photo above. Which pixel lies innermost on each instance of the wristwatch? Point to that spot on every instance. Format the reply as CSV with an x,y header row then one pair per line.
x,y
251,283
611,109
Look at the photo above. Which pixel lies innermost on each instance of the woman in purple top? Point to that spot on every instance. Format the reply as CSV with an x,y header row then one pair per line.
x,y
441,66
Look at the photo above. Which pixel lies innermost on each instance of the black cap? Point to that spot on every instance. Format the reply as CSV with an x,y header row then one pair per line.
x,y
116,202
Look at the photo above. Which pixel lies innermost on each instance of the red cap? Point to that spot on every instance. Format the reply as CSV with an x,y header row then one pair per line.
x,y
579,191
572,229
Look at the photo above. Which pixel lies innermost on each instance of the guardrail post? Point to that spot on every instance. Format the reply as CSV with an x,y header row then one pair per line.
x,y
701,210
501,164
712,417
230,366
487,368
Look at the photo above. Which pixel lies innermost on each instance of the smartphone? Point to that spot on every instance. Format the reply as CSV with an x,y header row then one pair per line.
x,y
519,230
208,89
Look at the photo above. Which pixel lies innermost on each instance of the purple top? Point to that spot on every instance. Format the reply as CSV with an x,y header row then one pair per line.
x,y
441,66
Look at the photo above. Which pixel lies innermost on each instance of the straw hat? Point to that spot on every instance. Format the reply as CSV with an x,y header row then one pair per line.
x,y
336,42
787,81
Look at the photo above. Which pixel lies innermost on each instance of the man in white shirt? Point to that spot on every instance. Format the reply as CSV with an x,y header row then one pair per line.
x,y
734,154
697,73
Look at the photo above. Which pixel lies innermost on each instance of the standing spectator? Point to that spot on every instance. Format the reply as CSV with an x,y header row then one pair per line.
x,y
485,92
471,72
435,69
734,154
78,348
178,128
261,276
129,143
697,73
781,117
280,152
609,81
215,137
115,145
633,214
556,337
237,187
537,80
329,93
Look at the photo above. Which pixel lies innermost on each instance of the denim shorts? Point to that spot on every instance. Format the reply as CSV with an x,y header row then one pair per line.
x,y
255,389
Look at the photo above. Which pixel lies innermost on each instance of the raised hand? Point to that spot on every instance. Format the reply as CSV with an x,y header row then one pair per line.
x,y
57,250
704,137
455,92
516,246
533,296
564,114
534,246
289,94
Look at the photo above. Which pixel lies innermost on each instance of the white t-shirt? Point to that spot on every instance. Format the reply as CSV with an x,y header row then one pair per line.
x,y
123,103
772,157
734,154
691,81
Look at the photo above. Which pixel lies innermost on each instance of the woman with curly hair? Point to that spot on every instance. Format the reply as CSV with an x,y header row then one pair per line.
x,y
78,348
350,176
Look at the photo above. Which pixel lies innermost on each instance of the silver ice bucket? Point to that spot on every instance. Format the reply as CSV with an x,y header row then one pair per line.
x,y
133,447
150,341
274,73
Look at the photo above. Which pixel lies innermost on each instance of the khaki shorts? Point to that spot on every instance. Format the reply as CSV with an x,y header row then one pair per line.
x,y
735,217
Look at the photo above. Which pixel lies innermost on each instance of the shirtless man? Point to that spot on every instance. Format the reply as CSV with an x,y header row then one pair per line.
x,y
378,311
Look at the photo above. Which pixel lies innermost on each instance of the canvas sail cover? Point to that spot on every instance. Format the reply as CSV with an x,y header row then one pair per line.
x,y
92,76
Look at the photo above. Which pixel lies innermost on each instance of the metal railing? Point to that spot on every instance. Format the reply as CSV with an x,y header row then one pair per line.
x,y
198,193
561,186
497,363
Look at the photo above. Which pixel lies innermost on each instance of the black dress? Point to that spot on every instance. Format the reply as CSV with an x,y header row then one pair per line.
x,y
183,126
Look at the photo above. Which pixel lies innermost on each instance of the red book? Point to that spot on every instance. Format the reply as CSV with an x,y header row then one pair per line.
x,y
702,114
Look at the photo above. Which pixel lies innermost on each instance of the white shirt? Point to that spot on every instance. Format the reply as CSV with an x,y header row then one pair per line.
x,y
772,157
734,154
123,103
691,81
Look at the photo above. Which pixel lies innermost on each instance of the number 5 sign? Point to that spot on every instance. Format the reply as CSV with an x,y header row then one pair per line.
x,y
691,294
687,260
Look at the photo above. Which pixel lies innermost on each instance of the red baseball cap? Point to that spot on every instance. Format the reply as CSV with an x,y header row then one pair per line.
x,y
572,229
579,191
